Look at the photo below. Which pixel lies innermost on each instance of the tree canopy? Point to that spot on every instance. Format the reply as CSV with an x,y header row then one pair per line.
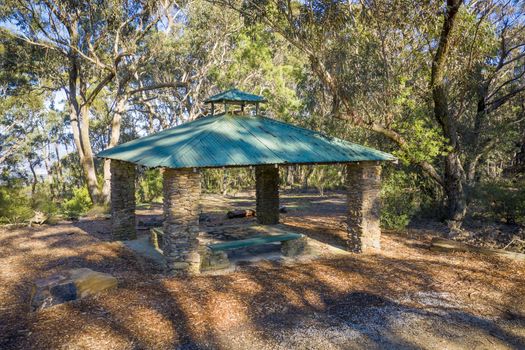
x,y
441,84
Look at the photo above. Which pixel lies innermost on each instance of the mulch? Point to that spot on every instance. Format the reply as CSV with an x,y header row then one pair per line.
x,y
403,297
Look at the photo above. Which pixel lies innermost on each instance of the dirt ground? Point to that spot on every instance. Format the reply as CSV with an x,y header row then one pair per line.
x,y
404,297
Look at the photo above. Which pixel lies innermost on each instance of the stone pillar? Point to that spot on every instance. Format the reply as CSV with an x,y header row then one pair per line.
x,y
182,190
267,194
122,200
363,181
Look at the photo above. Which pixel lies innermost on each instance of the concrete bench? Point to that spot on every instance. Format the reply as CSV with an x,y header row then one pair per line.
x,y
251,242
214,256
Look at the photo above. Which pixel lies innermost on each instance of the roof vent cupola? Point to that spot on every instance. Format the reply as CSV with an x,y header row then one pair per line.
x,y
235,97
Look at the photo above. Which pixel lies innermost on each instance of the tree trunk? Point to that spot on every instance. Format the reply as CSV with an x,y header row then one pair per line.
x,y
306,173
88,163
47,163
60,175
454,189
84,151
454,172
34,180
120,109
80,128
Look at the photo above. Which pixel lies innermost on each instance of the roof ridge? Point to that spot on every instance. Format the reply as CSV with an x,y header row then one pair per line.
x,y
307,131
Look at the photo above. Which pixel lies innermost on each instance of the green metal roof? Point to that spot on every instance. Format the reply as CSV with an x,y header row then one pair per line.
x,y
235,95
232,140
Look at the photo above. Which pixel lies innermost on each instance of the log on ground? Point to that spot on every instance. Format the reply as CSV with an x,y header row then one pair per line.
x,y
447,245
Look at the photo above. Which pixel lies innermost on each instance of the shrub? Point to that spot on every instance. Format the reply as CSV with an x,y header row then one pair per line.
x,y
150,186
14,205
500,201
79,204
405,194
98,210
42,202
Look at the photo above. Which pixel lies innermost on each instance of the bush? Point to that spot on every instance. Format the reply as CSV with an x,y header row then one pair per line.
x,y
42,202
405,194
150,186
98,210
79,204
500,201
14,205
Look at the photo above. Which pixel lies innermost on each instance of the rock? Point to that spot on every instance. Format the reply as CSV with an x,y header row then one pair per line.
x,y
64,292
75,284
89,282
39,218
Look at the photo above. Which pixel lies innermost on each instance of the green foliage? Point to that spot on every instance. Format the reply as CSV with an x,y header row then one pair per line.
x,y
41,201
500,201
79,203
150,186
227,181
272,67
399,202
327,177
14,205
406,194
98,210
425,143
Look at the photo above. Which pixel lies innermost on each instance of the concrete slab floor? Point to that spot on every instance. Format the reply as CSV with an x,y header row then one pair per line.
x,y
244,256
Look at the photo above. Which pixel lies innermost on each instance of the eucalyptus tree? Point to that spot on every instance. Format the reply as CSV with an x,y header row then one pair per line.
x,y
434,78
97,43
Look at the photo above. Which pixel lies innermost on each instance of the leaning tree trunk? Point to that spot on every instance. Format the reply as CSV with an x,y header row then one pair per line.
x,y
88,163
454,173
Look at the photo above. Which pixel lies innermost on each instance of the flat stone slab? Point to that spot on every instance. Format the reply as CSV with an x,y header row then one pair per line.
x,y
71,285
143,247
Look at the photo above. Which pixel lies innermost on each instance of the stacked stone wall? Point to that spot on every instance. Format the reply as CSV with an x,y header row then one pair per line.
x,y
363,183
267,193
182,191
122,200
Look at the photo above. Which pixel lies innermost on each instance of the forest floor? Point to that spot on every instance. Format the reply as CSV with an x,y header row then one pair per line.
x,y
404,297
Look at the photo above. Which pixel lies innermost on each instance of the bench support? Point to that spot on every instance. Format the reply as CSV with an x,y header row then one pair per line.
x,y
213,260
294,247
122,200
182,190
364,207
267,193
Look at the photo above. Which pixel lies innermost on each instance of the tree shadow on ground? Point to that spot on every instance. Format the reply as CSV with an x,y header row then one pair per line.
x,y
356,301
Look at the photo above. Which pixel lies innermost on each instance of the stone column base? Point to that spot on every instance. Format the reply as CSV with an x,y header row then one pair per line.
x,y
122,200
364,207
182,190
267,194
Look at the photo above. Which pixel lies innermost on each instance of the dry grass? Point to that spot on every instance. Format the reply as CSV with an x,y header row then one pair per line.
x,y
404,297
